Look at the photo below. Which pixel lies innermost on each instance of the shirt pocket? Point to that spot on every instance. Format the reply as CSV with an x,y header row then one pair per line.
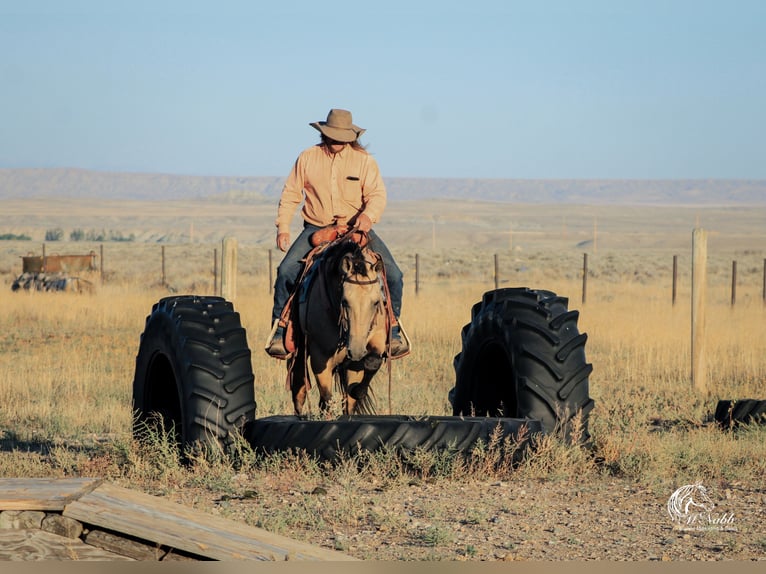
x,y
351,188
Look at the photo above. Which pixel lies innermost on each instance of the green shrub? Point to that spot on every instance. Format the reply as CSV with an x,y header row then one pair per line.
x,y
54,234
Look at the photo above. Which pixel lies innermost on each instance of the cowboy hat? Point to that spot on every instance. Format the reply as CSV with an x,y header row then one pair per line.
x,y
339,126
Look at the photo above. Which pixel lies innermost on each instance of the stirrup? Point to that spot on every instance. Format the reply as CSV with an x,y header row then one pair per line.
x,y
275,346
406,344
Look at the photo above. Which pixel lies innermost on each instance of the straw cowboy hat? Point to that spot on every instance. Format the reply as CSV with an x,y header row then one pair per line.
x,y
339,126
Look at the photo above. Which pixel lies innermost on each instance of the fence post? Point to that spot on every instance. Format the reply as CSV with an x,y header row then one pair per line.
x,y
101,261
497,274
44,266
699,280
215,271
675,278
229,269
584,276
417,273
764,282
733,283
163,266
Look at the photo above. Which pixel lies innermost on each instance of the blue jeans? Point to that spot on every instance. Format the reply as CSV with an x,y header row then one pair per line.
x,y
292,264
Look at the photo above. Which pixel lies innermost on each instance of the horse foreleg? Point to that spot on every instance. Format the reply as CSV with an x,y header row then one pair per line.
x,y
299,399
323,374
354,390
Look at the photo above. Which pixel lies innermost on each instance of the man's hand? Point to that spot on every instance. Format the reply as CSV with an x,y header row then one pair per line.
x,y
363,222
283,241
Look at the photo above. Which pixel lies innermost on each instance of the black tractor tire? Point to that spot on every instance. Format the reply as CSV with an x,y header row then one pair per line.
x,y
194,372
352,434
733,413
523,356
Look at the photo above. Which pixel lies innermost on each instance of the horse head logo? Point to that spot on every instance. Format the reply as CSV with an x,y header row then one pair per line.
x,y
688,502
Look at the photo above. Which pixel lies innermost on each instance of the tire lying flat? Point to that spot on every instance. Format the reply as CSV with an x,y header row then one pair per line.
x,y
193,369
351,434
733,413
523,356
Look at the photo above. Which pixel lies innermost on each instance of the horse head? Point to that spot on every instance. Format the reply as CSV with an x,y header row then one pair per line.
x,y
362,311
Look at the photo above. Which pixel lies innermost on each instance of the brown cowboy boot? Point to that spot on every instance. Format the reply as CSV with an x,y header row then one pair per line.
x,y
276,346
399,345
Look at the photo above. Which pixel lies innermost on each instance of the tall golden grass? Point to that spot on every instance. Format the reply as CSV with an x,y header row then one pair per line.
x,y
67,360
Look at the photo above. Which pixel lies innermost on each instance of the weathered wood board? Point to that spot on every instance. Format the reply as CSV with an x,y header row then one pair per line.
x,y
43,493
171,524
29,545
118,510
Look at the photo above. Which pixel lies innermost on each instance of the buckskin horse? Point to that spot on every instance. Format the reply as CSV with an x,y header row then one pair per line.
x,y
340,324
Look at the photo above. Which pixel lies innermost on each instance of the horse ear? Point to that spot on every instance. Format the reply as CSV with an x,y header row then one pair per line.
x,y
347,263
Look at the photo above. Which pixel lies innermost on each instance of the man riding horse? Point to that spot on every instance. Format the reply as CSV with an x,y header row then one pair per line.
x,y
339,184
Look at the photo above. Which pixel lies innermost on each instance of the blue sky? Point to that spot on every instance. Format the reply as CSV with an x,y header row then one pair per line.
x,y
481,89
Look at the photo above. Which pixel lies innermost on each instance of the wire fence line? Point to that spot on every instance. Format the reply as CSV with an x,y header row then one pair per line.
x,y
199,266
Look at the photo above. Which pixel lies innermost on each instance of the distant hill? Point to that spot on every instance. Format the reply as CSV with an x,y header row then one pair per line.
x,y
79,183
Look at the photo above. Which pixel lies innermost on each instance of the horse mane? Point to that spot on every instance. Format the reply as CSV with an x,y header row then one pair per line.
x,y
335,252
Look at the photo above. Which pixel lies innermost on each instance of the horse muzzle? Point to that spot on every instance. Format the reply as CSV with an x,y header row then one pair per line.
x,y
370,362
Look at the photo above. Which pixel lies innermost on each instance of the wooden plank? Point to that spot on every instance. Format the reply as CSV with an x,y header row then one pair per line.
x,y
29,545
157,520
43,493
124,546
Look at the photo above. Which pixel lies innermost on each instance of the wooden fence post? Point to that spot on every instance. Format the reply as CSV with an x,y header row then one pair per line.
x,y
229,269
764,282
733,283
215,271
163,266
497,274
101,261
699,280
584,276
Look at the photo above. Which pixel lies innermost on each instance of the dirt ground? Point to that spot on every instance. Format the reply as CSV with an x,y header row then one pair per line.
x,y
527,520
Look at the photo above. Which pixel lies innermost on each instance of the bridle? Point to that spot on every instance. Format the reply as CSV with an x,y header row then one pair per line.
x,y
343,320
348,279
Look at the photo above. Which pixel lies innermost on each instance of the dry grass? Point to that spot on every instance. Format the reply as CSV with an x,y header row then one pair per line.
x,y
67,361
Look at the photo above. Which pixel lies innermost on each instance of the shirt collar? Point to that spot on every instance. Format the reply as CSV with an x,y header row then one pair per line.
x,y
341,154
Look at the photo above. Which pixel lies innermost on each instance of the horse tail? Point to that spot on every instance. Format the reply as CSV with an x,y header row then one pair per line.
x,y
366,404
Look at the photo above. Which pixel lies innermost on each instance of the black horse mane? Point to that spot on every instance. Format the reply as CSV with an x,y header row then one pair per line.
x,y
337,251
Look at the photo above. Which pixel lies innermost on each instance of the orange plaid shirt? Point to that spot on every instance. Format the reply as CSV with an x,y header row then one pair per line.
x,y
332,187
